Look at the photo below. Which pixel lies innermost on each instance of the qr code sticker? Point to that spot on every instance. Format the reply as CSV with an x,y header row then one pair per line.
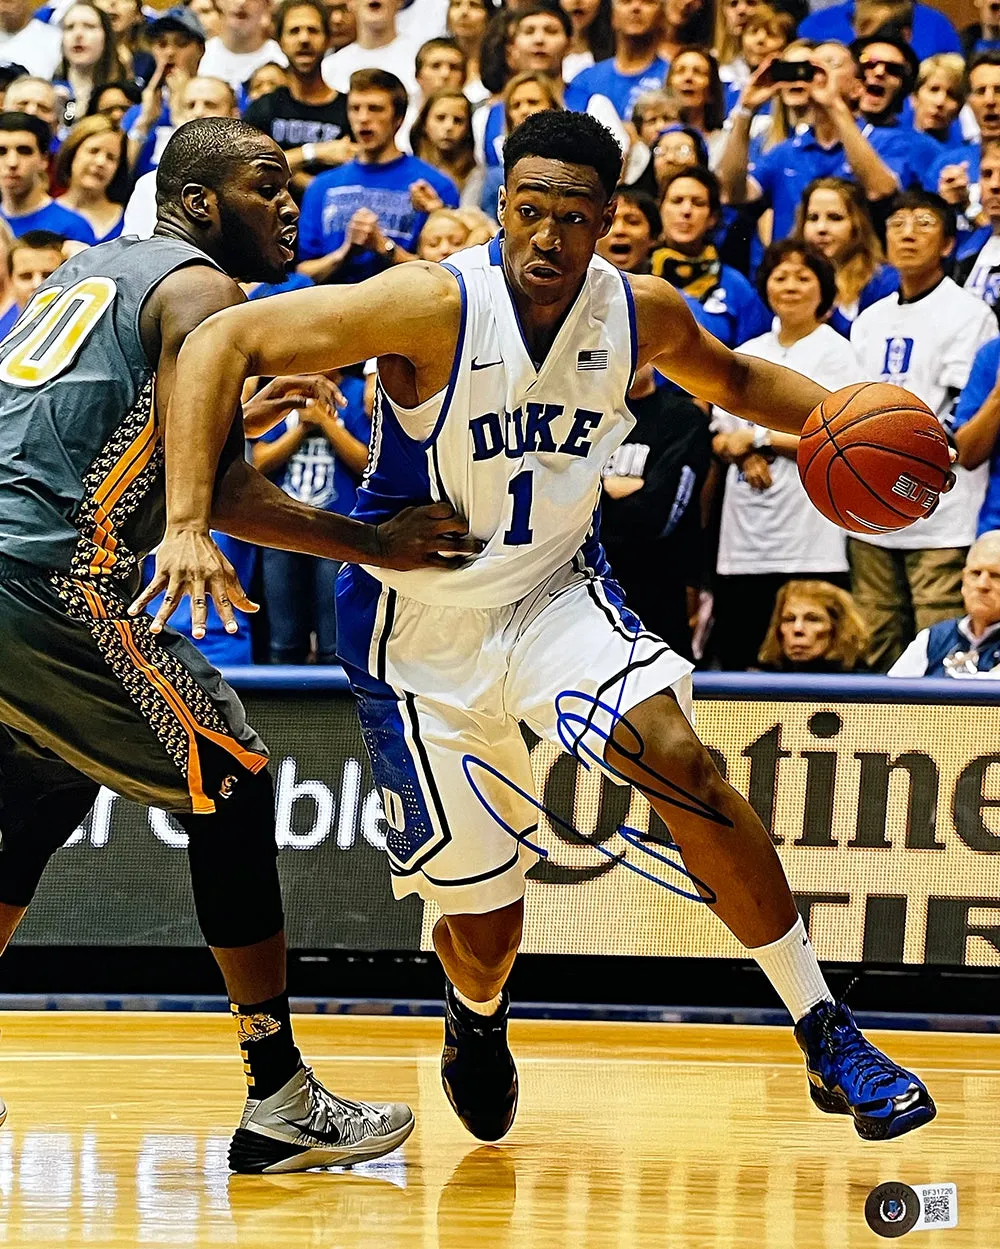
x,y
938,1205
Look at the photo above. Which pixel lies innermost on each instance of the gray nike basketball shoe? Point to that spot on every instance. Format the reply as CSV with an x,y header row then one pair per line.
x,y
304,1125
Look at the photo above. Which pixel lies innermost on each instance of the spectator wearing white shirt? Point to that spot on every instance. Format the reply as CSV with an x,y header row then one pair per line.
x,y
242,44
200,97
592,40
467,21
770,531
418,20
24,40
378,45
441,65
924,337
968,646
978,265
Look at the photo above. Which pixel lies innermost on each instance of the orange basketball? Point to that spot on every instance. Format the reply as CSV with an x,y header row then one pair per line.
x,y
873,458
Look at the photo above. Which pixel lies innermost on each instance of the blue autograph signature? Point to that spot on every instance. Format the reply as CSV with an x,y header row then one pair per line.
x,y
574,742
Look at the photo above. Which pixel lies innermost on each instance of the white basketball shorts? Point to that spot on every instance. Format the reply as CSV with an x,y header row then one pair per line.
x,y
442,693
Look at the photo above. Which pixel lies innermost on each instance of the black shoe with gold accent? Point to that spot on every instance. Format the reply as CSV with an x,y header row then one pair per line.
x,y
477,1070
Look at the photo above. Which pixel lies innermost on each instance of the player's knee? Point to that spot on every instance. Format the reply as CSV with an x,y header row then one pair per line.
x,y
664,749
692,765
20,874
234,870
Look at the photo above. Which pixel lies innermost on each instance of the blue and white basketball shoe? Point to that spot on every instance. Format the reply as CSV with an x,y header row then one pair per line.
x,y
849,1076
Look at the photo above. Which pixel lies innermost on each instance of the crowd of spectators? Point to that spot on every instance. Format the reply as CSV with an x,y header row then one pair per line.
x,y
823,188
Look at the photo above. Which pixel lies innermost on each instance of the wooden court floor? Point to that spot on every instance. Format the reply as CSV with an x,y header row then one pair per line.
x,y
627,1135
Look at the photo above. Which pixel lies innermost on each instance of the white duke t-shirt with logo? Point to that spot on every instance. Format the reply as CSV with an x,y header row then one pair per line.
x,y
927,345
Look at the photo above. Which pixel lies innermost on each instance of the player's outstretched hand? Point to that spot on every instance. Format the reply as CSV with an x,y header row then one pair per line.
x,y
418,537
189,562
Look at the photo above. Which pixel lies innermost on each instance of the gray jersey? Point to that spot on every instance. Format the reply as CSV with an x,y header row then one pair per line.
x,y
81,461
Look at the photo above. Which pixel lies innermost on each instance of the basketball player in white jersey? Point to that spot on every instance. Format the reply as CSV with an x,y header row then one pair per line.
x,y
502,384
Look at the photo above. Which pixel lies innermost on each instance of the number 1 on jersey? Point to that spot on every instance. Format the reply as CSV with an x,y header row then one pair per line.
x,y
519,488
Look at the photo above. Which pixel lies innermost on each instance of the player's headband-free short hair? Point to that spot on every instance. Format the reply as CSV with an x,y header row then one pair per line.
x,y
573,138
205,152
781,251
15,122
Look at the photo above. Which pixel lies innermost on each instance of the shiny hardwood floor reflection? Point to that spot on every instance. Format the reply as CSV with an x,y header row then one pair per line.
x,y
628,1135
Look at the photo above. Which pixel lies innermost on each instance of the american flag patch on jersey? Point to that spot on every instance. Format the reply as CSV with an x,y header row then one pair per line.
x,y
591,360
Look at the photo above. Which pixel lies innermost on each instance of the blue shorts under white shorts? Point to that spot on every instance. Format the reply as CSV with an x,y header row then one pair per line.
x,y
442,692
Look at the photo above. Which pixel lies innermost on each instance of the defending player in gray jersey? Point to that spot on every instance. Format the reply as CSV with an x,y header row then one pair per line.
x,y
91,694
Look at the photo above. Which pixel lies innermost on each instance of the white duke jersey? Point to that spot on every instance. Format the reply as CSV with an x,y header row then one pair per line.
x,y
517,450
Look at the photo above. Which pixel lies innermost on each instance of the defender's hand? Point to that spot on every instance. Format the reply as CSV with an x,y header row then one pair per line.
x,y
189,562
418,537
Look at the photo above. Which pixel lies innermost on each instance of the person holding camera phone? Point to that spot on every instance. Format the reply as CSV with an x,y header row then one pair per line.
x,y
829,143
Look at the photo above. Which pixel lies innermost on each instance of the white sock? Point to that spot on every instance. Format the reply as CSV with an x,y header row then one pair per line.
x,y
480,1008
790,965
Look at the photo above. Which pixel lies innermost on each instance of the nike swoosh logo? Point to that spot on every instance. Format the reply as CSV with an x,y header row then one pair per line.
x,y
326,1138
488,364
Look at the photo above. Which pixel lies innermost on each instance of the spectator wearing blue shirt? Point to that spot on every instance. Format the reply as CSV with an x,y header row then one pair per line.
x,y
177,42
932,31
635,67
937,100
977,256
829,144
31,259
537,41
720,297
976,428
834,219
984,35
93,167
24,168
887,73
524,94
359,219
955,174
317,457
